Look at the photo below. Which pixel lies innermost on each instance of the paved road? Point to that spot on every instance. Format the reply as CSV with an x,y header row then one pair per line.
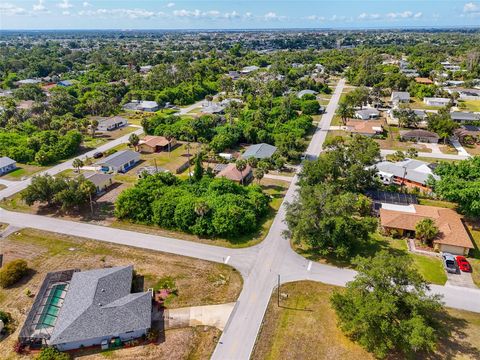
x,y
186,110
15,186
430,155
260,265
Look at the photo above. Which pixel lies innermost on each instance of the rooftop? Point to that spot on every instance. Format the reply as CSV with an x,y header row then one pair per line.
x,y
449,223
231,172
6,161
259,151
119,158
100,303
413,170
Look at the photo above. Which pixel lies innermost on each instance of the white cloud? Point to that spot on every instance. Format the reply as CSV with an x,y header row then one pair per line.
x,y
11,10
471,9
272,16
404,15
120,13
65,4
86,4
170,4
211,14
39,7
315,18
365,16
66,13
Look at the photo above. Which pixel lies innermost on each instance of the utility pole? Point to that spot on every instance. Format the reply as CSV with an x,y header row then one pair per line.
x,y
278,291
156,167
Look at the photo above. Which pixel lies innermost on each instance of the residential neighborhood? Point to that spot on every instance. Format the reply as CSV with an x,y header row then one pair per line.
x,y
230,193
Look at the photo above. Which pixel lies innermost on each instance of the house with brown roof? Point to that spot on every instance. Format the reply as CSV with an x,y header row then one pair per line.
x,y
151,144
365,128
452,238
423,80
419,135
230,172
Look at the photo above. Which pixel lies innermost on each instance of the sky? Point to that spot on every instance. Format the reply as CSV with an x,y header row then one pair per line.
x,y
236,14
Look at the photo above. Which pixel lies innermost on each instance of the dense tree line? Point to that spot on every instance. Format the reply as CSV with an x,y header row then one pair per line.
x,y
331,215
206,207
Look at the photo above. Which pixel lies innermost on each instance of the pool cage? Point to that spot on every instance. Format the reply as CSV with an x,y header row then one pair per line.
x,y
41,319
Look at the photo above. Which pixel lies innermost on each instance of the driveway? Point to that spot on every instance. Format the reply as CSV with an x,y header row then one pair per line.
x,y
210,315
462,279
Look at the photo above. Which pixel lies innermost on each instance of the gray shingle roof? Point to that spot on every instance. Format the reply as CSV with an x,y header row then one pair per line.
x,y
99,303
416,170
259,151
400,95
301,93
464,116
98,178
119,158
6,161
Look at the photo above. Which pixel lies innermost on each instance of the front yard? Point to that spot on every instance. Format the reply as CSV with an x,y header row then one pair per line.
x,y
199,283
305,327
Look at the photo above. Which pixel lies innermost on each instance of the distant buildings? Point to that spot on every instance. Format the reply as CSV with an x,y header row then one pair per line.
x,y
151,144
461,116
249,69
365,128
301,93
142,105
419,135
400,97
259,151
410,173
119,162
367,114
436,101
112,123
7,165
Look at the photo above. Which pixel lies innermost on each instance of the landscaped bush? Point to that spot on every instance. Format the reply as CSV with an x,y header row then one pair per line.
x,y
51,353
209,207
9,326
12,272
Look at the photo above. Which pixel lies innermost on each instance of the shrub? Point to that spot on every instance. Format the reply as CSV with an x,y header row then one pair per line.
x,y
9,325
51,353
12,272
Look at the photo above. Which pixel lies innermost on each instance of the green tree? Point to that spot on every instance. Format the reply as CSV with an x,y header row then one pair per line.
x,y
133,140
386,308
93,126
460,183
77,164
42,189
13,272
258,174
426,230
345,111
198,170
442,124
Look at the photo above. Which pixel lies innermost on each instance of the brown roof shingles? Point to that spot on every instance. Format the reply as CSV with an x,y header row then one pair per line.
x,y
155,141
231,172
450,225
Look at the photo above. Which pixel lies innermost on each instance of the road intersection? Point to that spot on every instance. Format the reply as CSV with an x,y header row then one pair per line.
x,y
260,265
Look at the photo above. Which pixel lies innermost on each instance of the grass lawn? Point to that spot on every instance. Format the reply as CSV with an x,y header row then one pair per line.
x,y
199,282
472,105
391,141
429,267
104,137
334,133
305,327
474,257
23,170
438,203
472,149
435,160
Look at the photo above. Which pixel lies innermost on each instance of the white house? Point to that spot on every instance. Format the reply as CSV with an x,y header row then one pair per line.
x,y
436,101
7,165
367,114
119,162
111,123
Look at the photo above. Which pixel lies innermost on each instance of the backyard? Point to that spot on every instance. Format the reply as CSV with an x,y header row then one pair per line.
x,y
305,327
198,282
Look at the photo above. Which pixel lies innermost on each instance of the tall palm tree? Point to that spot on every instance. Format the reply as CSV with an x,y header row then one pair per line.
x,y
345,111
241,165
93,127
77,164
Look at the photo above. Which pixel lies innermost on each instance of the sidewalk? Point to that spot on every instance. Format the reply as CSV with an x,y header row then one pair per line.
x,y
461,150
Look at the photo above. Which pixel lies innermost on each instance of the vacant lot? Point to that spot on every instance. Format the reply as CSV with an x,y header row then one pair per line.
x,y
472,105
305,327
198,282
23,170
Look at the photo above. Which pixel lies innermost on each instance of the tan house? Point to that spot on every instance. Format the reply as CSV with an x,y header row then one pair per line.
x,y
151,144
230,172
453,237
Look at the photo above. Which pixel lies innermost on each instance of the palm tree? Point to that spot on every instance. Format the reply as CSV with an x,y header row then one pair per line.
x,y
93,126
77,164
133,139
258,174
188,147
426,230
241,165
345,111
89,188
201,208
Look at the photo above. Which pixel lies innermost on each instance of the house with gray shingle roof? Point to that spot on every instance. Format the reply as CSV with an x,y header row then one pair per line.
x,y
259,151
119,162
7,165
75,309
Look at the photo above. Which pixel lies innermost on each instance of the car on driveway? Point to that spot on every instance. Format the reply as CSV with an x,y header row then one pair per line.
x,y
449,263
463,264
97,155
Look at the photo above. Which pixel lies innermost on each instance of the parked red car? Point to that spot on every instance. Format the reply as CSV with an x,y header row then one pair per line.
x,y
463,264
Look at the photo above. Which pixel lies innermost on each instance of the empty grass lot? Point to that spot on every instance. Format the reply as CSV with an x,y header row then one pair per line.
x,y
23,170
305,327
199,283
472,105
